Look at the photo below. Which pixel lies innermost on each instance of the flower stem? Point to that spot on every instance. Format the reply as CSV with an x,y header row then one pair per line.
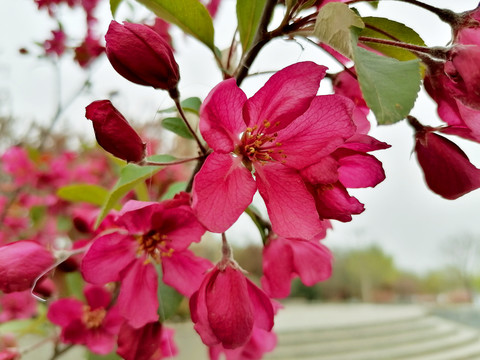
x,y
263,226
437,52
176,98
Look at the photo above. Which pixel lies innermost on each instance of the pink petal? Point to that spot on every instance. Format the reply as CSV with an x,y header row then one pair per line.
x,y
262,307
97,297
284,97
99,341
222,190
360,170
136,216
64,311
138,302
277,268
221,120
199,311
334,202
139,343
313,261
290,206
108,255
320,130
364,143
325,171
448,172
184,271
230,311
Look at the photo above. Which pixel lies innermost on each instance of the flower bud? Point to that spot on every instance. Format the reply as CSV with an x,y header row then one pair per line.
x,y
141,55
21,262
114,133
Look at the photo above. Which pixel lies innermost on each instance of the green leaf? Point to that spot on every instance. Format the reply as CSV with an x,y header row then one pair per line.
x,y
332,27
189,15
249,13
191,104
169,299
389,86
89,193
111,356
382,28
114,4
174,189
130,176
177,126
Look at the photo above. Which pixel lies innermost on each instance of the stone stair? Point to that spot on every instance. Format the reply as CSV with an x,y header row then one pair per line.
x,y
418,337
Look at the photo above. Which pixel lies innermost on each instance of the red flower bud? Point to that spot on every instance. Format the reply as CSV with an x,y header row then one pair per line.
x,y
114,133
141,55
21,262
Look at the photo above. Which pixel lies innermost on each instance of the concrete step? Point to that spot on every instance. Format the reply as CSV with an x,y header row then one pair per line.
x,y
444,336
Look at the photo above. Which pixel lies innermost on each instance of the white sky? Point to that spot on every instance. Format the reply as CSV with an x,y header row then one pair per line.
x,y
402,216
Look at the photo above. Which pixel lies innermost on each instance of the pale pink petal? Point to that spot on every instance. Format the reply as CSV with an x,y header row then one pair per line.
x,y
230,311
360,170
108,255
290,206
138,302
184,271
222,190
221,121
313,261
284,97
320,130
277,268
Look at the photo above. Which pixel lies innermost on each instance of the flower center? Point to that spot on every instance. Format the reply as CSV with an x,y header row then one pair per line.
x,y
154,245
257,146
93,318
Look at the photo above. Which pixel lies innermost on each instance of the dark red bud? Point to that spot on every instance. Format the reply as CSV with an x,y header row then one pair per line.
x,y
114,133
141,55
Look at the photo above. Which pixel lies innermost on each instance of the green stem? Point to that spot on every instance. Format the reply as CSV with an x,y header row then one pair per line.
x,y
262,225
176,98
437,52
182,161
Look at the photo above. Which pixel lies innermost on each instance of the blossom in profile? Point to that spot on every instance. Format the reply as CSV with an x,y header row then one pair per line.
x,y
153,341
141,55
448,171
94,324
21,264
282,129
113,132
228,306
147,235
287,258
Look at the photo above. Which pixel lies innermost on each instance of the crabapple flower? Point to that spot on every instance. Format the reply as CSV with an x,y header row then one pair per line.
x,y
141,55
447,169
94,324
147,234
21,263
150,342
283,128
17,305
228,306
287,258
113,132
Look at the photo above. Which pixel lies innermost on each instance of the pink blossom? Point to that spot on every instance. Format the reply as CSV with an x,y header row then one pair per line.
x,y
287,258
447,169
21,263
8,347
94,324
15,162
88,50
227,307
141,55
17,305
147,234
150,342
114,133
55,45
283,128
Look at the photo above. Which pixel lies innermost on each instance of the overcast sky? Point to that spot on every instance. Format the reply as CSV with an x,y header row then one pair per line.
x,y
402,216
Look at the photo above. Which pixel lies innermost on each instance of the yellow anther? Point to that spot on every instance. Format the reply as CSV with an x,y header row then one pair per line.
x,y
266,123
278,144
